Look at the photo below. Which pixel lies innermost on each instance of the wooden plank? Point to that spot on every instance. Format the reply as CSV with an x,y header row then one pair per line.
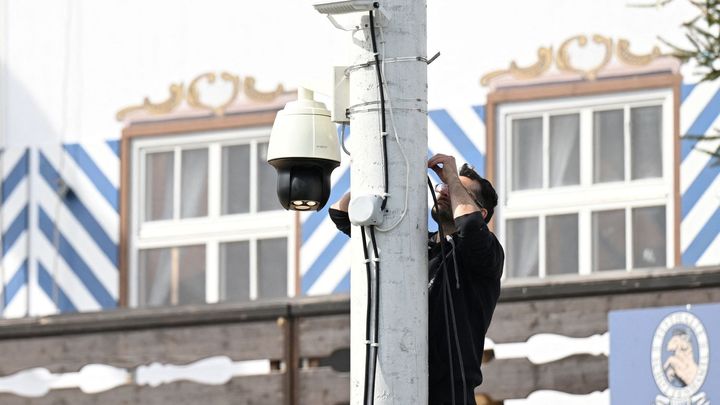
x,y
248,390
323,386
291,359
202,124
504,379
321,336
320,305
612,283
143,318
582,316
517,378
241,341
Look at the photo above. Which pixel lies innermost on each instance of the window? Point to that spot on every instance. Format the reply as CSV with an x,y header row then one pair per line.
x,y
206,225
586,184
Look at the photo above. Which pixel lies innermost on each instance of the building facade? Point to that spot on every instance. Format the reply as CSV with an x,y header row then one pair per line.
x,y
111,201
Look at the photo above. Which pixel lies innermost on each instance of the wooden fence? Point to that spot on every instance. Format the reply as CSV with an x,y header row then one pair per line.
x,y
295,338
304,343
579,310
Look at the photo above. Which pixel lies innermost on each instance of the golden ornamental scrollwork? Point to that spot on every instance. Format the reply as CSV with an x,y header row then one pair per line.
x,y
177,94
627,56
543,63
545,58
254,94
192,96
563,59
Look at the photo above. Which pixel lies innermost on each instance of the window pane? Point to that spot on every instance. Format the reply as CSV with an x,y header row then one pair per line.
x,y
235,271
522,247
194,189
527,154
562,244
159,186
272,268
267,181
236,179
648,237
646,142
608,228
564,150
154,277
608,146
191,274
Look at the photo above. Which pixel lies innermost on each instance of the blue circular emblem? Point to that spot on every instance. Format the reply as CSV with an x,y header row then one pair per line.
x,y
680,355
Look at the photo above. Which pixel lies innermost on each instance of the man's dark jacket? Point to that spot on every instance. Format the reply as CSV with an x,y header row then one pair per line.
x,y
472,290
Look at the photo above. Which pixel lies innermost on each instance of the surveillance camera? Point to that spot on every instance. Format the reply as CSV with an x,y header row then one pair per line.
x,y
304,150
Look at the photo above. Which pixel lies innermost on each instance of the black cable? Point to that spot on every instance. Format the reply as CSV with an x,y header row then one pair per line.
x,y
446,286
383,126
372,317
377,283
368,397
374,334
447,330
447,297
444,266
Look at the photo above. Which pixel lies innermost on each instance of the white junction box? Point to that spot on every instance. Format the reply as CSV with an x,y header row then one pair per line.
x,y
341,96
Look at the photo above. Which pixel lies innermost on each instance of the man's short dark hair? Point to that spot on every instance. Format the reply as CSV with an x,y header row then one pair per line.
x,y
488,197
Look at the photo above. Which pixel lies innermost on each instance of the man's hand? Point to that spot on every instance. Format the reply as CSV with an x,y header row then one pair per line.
x,y
448,171
343,203
461,201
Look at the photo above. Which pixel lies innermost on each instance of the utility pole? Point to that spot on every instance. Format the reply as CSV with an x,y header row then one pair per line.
x,y
402,364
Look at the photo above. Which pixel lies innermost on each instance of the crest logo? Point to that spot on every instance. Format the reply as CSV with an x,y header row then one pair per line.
x,y
680,357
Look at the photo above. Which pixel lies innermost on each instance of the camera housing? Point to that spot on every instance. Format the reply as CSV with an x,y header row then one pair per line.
x,y
304,149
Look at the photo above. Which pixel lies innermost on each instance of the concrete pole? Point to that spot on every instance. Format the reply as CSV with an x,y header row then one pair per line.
x,y
402,369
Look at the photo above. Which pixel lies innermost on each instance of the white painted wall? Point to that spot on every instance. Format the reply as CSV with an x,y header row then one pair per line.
x,y
69,65
3,71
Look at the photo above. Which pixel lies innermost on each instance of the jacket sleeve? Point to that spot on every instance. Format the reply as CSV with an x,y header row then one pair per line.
x,y
341,220
480,250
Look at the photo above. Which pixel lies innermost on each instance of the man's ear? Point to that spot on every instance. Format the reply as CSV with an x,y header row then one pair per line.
x,y
484,212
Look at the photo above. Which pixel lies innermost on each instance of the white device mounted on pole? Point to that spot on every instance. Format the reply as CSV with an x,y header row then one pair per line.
x,y
366,210
340,96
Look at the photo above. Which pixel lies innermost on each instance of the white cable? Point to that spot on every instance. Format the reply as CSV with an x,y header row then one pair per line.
x,y
397,139
339,26
342,139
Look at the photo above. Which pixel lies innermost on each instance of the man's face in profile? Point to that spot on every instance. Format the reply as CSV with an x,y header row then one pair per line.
x,y
443,212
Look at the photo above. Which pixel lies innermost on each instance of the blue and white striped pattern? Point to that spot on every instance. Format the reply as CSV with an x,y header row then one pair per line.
x,y
75,249
325,253
700,176
14,213
72,261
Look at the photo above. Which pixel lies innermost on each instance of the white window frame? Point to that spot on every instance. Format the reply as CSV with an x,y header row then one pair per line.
x,y
587,197
213,229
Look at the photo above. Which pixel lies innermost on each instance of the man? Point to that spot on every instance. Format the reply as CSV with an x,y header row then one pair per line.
x,y
464,287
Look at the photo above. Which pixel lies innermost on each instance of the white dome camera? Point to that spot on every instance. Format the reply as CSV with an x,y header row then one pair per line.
x,y
304,149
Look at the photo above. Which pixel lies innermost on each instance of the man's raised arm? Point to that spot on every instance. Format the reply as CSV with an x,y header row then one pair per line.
x,y
339,214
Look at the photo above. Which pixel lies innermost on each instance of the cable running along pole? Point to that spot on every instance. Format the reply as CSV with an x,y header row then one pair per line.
x,y
389,309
